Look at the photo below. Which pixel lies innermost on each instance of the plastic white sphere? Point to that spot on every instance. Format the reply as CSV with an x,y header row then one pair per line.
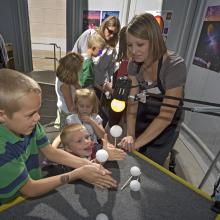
x,y
102,155
135,185
101,216
135,171
116,131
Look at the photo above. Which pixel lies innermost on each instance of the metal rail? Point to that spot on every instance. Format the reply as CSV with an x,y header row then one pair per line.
x,y
55,46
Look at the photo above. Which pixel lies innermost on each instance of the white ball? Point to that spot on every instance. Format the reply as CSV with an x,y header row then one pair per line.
x,y
116,131
101,216
135,185
102,155
135,171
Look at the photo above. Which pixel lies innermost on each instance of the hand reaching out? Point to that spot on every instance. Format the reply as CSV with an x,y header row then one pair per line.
x,y
113,152
97,175
127,143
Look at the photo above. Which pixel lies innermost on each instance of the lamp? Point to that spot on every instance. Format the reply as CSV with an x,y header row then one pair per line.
x,y
120,94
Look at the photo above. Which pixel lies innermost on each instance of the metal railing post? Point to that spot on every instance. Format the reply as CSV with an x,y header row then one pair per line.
x,y
54,58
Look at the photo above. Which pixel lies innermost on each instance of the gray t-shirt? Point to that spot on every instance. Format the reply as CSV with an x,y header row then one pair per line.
x,y
172,73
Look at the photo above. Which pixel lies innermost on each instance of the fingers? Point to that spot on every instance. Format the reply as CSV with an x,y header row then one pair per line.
x,y
115,153
105,141
104,171
106,181
97,175
127,143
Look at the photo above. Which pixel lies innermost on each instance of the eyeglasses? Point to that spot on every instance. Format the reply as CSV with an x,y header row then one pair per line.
x,y
111,31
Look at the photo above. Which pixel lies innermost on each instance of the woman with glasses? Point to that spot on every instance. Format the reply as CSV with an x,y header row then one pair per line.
x,y
104,64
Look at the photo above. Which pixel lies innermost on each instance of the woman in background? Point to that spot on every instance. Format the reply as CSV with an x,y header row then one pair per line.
x,y
104,64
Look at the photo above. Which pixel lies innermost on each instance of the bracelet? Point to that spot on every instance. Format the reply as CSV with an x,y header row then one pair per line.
x,y
64,179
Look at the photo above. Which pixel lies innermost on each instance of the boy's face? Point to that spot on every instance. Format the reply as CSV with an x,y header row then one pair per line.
x,y
24,120
79,143
96,51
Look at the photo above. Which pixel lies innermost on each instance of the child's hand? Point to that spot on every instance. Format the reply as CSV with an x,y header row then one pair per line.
x,y
97,175
86,118
113,152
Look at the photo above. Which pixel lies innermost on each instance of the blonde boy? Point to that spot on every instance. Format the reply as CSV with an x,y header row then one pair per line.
x,y
76,140
95,46
21,139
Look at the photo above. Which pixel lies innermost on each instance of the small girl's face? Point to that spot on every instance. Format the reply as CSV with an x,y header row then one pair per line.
x,y
85,106
79,143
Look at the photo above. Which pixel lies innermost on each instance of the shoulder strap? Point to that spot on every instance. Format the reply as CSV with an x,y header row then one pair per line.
x,y
159,66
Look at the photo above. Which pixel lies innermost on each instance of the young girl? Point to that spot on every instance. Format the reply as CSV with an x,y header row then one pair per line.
x,y
66,83
76,140
86,104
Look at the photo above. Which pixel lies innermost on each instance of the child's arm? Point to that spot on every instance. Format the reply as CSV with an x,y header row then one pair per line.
x,y
67,94
62,157
113,152
87,74
56,142
88,173
98,128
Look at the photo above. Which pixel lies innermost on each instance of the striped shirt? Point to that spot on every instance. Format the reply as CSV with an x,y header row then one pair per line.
x,y
19,159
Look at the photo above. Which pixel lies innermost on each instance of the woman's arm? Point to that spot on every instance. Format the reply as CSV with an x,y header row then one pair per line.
x,y
67,94
162,121
132,107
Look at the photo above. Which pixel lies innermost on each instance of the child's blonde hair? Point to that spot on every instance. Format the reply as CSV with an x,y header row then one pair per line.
x,y
87,93
69,68
67,130
13,86
96,40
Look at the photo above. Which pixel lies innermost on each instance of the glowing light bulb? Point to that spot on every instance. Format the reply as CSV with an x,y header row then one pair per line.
x,y
117,105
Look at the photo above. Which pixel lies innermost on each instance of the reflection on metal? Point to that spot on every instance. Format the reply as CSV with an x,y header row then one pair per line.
x,y
207,152
209,170
54,58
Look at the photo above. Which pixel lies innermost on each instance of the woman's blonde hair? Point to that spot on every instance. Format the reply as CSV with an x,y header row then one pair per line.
x,y
69,68
69,129
89,94
13,86
146,27
111,21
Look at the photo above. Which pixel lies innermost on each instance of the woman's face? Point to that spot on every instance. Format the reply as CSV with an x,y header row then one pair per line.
x,y
138,48
110,32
